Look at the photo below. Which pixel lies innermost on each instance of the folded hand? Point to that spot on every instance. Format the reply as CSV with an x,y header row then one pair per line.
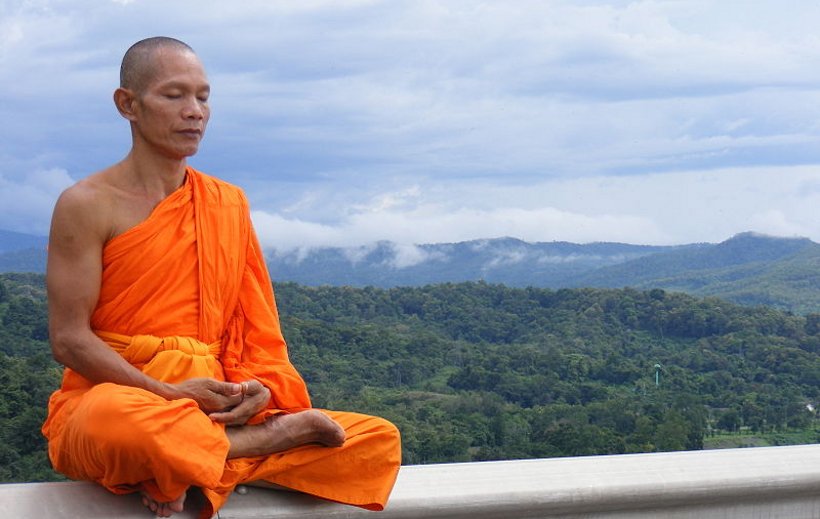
x,y
255,398
210,394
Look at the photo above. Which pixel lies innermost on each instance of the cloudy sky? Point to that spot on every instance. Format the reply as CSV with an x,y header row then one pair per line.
x,y
351,121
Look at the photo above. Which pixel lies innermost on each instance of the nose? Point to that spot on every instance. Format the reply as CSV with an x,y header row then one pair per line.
x,y
194,109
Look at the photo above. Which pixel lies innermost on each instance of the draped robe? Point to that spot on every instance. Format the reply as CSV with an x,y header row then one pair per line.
x,y
186,294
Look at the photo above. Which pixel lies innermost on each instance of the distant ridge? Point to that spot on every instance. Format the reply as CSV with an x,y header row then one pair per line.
x,y
25,260
747,250
502,260
20,252
749,268
13,241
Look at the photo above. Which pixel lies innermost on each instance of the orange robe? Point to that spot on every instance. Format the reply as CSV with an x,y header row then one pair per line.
x,y
186,294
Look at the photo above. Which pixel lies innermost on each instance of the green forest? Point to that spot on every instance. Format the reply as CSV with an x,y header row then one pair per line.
x,y
476,371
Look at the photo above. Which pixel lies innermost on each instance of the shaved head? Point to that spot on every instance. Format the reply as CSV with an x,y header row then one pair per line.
x,y
138,66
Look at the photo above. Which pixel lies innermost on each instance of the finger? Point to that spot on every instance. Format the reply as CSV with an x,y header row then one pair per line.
x,y
232,400
255,388
239,415
221,387
236,416
228,418
229,394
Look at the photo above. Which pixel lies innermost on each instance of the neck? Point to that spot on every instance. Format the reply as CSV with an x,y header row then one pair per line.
x,y
155,176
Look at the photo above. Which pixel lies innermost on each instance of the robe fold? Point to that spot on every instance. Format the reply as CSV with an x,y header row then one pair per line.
x,y
186,294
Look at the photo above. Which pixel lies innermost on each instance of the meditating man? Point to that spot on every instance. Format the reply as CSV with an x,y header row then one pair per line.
x,y
162,311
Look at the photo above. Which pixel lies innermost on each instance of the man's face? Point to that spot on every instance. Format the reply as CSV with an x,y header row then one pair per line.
x,y
172,110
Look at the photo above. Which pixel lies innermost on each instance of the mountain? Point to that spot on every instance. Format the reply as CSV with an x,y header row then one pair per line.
x,y
21,252
505,260
749,268
15,241
25,260
746,252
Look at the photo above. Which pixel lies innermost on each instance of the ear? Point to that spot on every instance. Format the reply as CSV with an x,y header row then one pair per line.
x,y
125,100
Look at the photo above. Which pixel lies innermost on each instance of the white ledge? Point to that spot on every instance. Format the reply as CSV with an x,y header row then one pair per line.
x,y
767,482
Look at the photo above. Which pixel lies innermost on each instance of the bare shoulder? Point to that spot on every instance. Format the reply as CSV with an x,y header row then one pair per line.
x,y
82,213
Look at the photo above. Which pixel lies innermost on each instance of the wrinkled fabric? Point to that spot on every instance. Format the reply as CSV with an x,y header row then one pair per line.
x,y
186,294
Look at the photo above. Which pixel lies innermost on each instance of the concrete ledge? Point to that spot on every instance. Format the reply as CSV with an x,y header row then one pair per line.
x,y
768,482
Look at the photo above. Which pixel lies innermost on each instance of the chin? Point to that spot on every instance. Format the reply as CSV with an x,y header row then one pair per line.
x,y
186,152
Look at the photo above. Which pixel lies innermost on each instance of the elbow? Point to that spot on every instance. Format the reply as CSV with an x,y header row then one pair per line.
x,y
61,345
58,351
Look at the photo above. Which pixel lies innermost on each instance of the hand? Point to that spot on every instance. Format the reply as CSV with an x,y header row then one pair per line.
x,y
211,395
256,398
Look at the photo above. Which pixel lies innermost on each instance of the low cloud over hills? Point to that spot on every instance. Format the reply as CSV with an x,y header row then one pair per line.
x,y
749,268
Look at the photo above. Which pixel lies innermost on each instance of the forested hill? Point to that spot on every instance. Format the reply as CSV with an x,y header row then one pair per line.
x,y
473,371
749,269
28,375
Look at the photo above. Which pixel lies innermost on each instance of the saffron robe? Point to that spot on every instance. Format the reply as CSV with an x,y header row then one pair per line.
x,y
186,294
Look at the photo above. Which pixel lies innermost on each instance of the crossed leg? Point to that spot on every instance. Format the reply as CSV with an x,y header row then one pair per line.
x,y
278,433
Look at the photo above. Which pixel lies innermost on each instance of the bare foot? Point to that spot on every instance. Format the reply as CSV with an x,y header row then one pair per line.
x,y
283,432
163,509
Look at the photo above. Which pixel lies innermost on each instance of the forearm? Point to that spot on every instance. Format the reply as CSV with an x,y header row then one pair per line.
x,y
92,358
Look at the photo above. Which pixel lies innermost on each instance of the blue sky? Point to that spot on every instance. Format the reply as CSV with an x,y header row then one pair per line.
x,y
351,121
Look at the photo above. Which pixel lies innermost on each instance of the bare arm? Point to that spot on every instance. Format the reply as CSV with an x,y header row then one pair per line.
x,y
79,230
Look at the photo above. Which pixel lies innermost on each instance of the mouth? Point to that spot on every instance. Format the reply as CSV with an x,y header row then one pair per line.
x,y
191,132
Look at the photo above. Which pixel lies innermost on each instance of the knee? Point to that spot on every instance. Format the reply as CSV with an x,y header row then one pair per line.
x,y
391,438
388,427
386,431
103,427
110,413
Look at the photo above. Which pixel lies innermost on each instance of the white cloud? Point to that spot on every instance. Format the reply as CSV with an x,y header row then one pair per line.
x,y
23,204
408,255
351,121
509,257
357,254
668,208
437,223
774,222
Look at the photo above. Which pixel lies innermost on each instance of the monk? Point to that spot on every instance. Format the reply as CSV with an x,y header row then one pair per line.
x,y
162,312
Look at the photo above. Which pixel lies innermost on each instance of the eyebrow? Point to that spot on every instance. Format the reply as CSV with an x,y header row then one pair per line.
x,y
185,85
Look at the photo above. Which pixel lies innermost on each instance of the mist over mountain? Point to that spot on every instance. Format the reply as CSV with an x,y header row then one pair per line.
x,y
749,268
507,261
